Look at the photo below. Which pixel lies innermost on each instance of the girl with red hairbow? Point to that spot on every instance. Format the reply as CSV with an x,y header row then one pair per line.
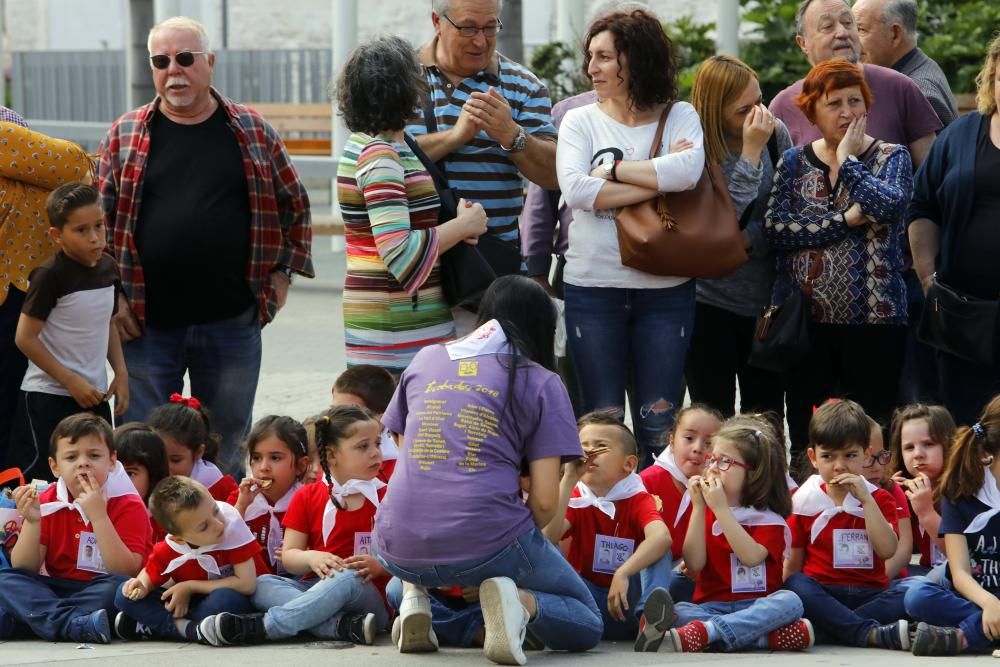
x,y
186,430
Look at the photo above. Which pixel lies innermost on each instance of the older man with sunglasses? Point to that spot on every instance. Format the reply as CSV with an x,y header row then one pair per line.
x,y
488,120
208,221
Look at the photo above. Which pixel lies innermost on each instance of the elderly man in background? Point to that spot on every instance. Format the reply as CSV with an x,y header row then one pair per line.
x,y
900,114
888,32
487,120
208,220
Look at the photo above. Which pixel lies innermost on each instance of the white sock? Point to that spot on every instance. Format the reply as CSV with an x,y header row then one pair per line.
x,y
713,632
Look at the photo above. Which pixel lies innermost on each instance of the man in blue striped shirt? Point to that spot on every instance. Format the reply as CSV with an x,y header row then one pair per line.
x,y
492,121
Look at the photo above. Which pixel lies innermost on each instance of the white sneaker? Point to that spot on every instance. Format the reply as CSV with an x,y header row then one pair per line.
x,y
506,621
412,631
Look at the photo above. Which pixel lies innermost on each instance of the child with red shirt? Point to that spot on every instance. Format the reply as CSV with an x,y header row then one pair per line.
x,y
920,438
328,545
873,470
370,387
89,530
735,546
144,458
207,564
191,445
612,524
843,530
667,479
278,460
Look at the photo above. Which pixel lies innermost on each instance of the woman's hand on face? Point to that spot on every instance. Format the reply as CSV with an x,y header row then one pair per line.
x,y
853,140
758,127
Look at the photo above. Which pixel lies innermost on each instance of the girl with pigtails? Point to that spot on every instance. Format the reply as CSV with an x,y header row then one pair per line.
x,y
338,592
966,602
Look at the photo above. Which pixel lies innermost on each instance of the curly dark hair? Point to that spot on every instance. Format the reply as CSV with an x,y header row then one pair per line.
x,y
381,86
652,63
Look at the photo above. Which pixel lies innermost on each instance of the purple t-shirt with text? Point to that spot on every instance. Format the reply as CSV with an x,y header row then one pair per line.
x,y
899,114
455,494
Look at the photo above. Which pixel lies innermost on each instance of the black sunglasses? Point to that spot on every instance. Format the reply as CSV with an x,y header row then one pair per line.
x,y
184,59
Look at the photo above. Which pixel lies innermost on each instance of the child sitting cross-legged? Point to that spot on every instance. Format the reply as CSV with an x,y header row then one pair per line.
x,y
89,531
612,523
327,544
207,564
735,546
843,531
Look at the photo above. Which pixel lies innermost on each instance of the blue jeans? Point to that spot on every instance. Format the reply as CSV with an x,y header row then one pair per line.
x,y
665,573
223,361
315,606
935,604
613,628
567,618
455,621
44,606
742,622
636,339
848,614
150,610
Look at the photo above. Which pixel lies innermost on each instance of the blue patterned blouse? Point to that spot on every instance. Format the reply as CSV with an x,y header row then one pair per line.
x,y
859,278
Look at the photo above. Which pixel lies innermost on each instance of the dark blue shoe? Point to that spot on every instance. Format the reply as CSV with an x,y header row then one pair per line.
x,y
93,628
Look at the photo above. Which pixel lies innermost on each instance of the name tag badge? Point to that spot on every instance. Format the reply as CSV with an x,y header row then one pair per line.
x,y
746,579
851,549
937,556
362,544
273,544
88,556
224,571
610,553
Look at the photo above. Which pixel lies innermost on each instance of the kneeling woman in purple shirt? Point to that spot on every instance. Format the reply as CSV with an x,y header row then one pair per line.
x,y
470,412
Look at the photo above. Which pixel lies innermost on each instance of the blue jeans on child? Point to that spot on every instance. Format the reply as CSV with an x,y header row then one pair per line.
x,y
635,338
613,628
315,605
742,622
47,605
150,610
567,618
848,614
939,605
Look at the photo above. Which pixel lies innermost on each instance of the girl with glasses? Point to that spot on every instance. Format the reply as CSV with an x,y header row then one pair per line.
x,y
736,542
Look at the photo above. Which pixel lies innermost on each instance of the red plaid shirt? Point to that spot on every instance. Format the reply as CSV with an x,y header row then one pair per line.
x,y
281,226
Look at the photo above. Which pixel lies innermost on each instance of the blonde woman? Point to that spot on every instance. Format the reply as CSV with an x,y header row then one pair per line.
x,y
744,138
953,228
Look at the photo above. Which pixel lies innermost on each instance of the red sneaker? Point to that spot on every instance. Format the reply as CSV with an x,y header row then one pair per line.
x,y
690,638
797,636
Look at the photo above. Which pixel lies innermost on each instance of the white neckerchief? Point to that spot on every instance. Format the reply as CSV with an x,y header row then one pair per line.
x,y
237,534
487,339
989,495
369,488
205,473
667,461
812,500
260,507
389,450
749,516
624,489
116,485
792,484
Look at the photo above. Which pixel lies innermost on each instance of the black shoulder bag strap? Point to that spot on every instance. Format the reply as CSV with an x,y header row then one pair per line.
x,y
437,171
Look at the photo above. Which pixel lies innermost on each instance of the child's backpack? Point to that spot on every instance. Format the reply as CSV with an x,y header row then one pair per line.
x,y
10,518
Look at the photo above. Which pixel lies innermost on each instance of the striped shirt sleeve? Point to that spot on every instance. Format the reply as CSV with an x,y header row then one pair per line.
x,y
409,254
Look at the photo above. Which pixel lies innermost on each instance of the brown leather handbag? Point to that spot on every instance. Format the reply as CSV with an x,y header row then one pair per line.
x,y
693,234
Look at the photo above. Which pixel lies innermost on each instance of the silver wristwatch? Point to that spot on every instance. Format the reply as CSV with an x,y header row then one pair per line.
x,y
520,142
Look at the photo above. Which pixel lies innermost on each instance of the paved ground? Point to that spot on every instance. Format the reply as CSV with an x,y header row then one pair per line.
x,y
153,654
303,353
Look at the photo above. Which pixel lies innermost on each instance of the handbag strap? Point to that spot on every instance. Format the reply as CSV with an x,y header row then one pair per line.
x,y
772,151
654,150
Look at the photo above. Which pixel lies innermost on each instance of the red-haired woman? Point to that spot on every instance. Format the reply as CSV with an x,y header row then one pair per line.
x,y
836,219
